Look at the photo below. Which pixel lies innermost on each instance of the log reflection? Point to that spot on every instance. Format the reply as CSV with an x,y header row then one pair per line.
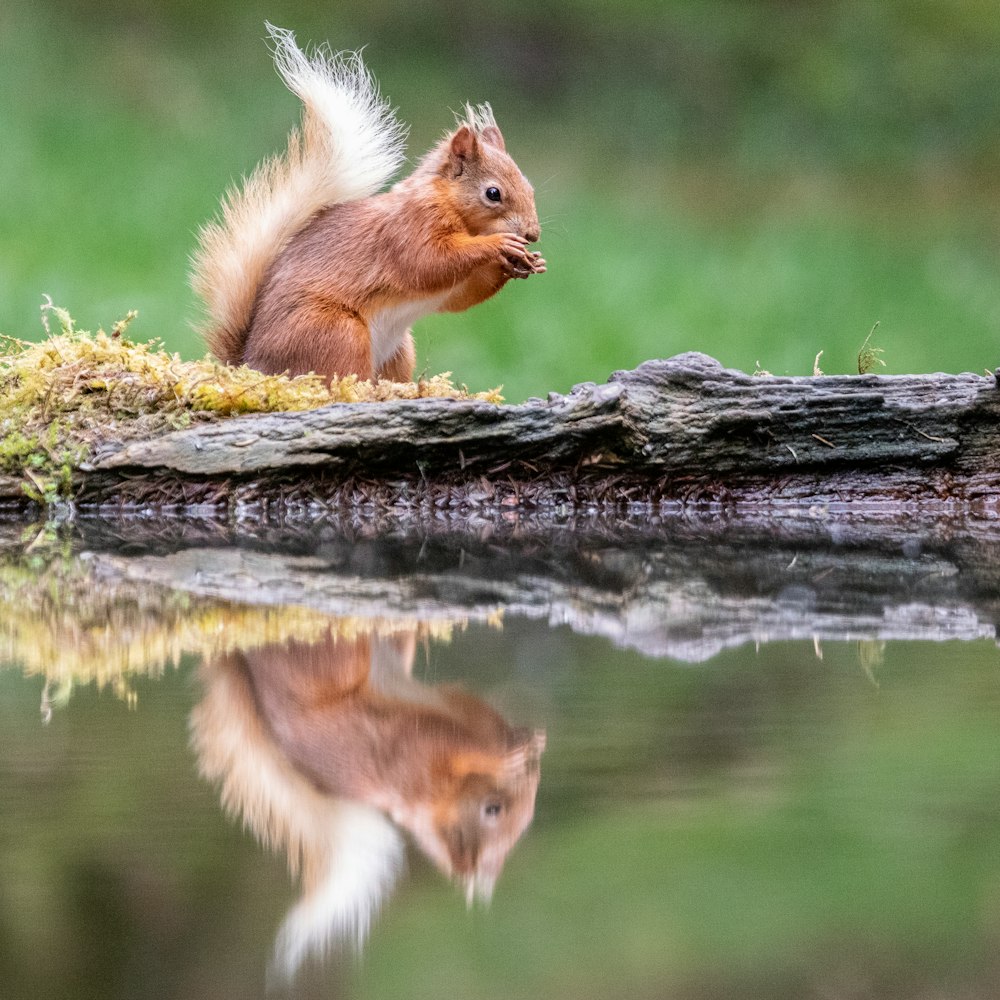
x,y
329,749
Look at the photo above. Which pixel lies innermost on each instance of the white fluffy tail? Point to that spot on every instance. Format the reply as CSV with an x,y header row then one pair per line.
x,y
349,147
365,855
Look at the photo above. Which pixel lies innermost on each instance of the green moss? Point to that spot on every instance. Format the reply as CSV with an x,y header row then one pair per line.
x,y
869,357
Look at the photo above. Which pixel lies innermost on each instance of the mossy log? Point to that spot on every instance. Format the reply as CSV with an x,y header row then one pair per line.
x,y
672,431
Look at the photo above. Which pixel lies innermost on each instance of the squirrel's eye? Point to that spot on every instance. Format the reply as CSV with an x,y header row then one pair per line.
x,y
493,194
492,809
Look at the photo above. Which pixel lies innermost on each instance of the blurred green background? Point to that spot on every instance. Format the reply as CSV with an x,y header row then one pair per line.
x,y
759,181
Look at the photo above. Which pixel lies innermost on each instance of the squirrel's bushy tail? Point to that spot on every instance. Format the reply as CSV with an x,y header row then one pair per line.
x,y
349,146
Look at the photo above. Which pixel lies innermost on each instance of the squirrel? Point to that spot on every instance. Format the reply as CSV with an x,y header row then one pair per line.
x,y
331,750
309,269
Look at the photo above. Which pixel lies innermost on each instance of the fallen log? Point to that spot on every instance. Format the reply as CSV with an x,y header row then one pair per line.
x,y
680,430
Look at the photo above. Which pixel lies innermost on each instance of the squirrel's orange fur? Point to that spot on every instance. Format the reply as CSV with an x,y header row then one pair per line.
x,y
309,269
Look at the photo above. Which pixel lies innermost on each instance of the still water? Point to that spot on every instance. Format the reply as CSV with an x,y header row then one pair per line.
x,y
693,759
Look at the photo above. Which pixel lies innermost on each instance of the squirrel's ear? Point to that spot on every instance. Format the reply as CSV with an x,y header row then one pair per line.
x,y
494,137
463,147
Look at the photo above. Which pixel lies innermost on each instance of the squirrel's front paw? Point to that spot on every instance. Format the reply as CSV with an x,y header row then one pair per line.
x,y
516,260
537,263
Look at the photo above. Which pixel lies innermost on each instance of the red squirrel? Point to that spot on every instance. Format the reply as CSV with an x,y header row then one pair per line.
x,y
308,269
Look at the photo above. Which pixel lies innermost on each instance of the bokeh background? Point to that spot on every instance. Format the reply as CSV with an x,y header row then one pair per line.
x,y
757,180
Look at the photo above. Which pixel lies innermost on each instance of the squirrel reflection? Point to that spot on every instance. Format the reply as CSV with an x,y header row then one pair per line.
x,y
327,749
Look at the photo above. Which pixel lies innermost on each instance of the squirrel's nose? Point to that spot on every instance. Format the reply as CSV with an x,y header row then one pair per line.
x,y
531,235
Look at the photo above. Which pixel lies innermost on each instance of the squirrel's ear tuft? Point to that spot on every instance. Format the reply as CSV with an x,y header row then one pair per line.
x,y
493,136
463,147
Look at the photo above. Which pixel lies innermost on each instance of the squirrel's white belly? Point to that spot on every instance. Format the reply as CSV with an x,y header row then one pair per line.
x,y
388,326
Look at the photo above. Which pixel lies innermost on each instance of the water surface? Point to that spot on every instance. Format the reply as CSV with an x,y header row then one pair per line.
x,y
712,761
